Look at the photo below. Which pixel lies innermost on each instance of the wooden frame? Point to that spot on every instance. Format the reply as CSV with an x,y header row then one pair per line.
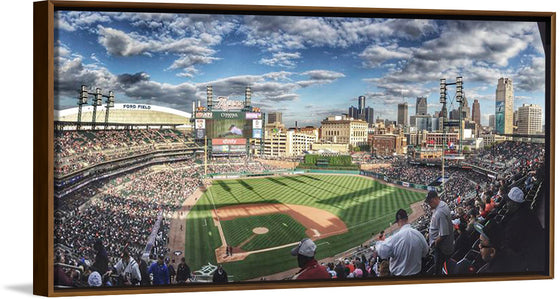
x,y
43,80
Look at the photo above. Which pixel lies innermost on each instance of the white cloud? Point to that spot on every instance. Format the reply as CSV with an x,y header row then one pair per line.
x,y
282,59
374,55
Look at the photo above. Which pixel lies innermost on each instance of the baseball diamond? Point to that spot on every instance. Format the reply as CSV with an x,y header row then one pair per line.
x,y
337,211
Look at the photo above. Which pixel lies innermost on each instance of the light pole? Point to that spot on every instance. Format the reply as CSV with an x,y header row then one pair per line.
x,y
443,100
459,97
110,104
82,100
97,101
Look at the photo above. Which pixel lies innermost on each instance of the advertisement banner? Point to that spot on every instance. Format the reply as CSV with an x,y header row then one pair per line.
x,y
257,133
257,123
500,117
405,184
252,115
224,141
220,148
203,115
200,123
200,134
237,148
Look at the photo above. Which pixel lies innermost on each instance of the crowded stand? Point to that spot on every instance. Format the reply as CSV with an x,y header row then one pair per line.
x,y
76,150
487,213
103,229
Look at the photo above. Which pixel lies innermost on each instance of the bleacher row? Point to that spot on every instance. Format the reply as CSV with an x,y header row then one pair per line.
x,y
76,150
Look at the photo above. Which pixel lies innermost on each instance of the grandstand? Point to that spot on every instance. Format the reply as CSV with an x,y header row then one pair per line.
x,y
144,191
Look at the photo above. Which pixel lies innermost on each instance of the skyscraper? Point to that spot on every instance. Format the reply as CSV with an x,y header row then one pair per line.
x,y
353,112
368,111
402,114
421,106
529,119
361,104
504,106
274,117
476,112
465,109
492,121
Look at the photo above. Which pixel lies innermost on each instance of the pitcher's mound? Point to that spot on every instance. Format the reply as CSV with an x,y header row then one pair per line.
x,y
260,230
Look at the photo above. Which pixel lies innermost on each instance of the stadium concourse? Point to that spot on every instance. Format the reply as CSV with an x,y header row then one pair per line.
x,y
110,229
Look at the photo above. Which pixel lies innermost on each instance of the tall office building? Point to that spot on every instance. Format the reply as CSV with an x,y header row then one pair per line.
x,y
368,111
529,119
275,117
421,106
492,121
465,109
504,106
476,112
353,112
402,114
361,104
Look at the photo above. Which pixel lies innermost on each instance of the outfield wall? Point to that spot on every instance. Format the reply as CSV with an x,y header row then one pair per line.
x,y
396,182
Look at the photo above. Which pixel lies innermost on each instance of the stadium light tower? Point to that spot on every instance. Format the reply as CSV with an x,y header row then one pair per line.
x,y
247,97
97,101
110,104
460,98
443,101
209,97
82,100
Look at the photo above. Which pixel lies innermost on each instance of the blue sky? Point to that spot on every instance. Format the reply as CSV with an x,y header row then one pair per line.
x,y
306,67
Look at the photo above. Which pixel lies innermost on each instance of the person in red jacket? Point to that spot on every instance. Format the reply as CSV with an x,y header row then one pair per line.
x,y
310,268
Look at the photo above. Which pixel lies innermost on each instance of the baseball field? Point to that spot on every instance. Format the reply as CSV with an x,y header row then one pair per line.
x,y
263,218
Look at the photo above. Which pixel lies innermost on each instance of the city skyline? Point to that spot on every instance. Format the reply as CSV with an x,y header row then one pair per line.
x,y
307,68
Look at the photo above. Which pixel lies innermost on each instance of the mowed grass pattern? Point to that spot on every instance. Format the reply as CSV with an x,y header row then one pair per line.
x,y
283,229
365,205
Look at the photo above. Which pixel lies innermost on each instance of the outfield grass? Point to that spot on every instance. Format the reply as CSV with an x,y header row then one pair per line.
x,y
366,206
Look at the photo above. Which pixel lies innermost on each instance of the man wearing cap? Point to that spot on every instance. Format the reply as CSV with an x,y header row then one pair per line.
x,y
523,232
404,249
498,258
159,271
440,231
310,268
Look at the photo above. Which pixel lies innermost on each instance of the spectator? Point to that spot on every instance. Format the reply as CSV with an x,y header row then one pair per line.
x,y
404,249
498,258
440,230
220,275
60,276
101,263
310,268
128,270
384,269
523,232
159,271
171,268
94,279
143,266
183,271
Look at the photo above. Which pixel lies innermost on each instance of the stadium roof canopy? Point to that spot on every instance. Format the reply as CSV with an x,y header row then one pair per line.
x,y
126,113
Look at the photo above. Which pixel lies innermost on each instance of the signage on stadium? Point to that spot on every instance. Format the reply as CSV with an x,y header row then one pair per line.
x,y
133,106
203,115
229,115
223,141
222,103
252,115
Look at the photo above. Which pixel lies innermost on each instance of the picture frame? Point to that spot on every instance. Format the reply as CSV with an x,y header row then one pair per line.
x,y
44,128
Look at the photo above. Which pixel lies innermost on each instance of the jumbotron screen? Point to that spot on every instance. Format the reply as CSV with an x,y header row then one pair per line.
x,y
228,124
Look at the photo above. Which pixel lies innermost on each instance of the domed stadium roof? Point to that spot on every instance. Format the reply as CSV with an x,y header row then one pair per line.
x,y
127,113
